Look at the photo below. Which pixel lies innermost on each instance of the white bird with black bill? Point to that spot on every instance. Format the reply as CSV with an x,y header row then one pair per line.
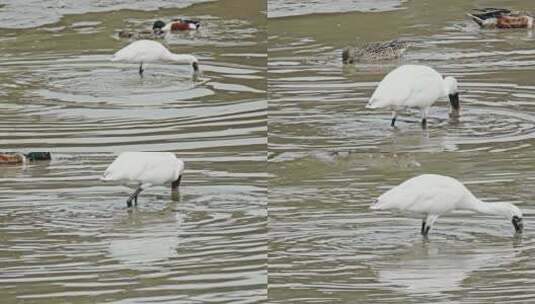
x,y
145,169
433,195
414,86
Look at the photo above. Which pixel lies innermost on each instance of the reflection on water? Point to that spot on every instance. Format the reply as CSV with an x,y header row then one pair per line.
x,y
433,268
330,157
68,237
147,242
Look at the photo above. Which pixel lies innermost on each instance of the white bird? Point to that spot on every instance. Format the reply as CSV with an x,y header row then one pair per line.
x,y
433,195
145,169
416,86
145,51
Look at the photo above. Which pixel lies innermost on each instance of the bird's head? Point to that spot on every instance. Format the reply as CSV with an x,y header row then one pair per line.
x,y
158,25
516,219
195,66
180,170
158,28
38,156
452,90
180,167
348,55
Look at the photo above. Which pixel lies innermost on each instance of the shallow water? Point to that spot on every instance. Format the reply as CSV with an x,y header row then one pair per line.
x,y
285,8
330,158
65,236
60,92
28,14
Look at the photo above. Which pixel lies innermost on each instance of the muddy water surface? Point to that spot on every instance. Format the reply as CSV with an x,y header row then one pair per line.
x,y
330,158
60,92
66,237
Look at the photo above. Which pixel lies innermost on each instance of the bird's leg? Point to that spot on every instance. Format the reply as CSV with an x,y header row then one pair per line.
x,y
422,231
133,196
141,70
394,116
424,118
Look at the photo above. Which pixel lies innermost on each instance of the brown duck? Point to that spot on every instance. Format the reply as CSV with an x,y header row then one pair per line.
x,y
501,18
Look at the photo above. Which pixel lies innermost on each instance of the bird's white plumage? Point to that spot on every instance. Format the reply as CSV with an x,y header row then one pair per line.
x,y
145,168
410,86
427,194
433,195
144,51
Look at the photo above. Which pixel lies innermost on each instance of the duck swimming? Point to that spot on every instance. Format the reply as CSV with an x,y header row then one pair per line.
x,y
176,25
21,158
145,34
375,51
501,18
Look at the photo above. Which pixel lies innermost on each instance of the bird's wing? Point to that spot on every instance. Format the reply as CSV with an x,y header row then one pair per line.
x,y
420,198
490,12
425,89
391,91
159,170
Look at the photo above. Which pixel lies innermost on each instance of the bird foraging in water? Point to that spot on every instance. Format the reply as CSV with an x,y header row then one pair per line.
x,y
434,195
374,51
414,86
145,51
501,18
145,169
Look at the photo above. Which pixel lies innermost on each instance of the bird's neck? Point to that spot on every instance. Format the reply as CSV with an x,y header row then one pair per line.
x,y
499,208
446,88
176,184
179,58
